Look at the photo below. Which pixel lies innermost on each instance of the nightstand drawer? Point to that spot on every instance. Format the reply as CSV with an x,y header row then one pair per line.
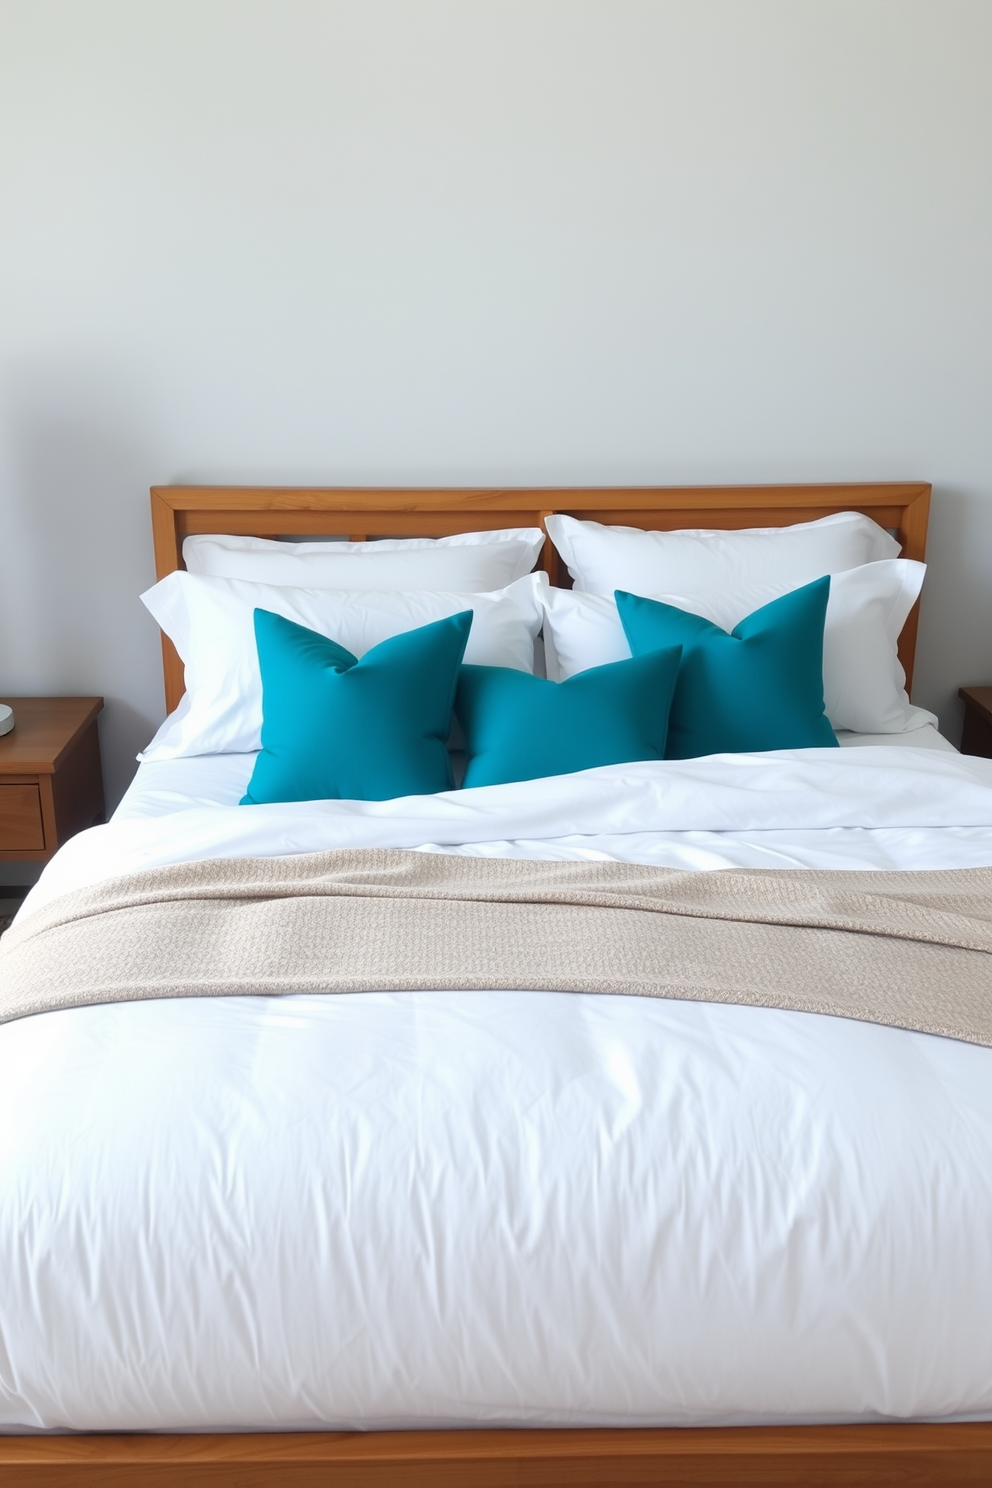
x,y
21,828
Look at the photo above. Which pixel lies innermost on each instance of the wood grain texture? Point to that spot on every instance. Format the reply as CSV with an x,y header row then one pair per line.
x,y
924,1456
977,700
54,751
21,827
77,785
359,512
976,735
44,731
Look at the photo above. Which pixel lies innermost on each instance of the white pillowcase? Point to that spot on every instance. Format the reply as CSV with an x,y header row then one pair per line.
x,y
864,685
468,563
211,623
601,559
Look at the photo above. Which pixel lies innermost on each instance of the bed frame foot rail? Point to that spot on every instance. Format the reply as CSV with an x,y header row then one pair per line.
x,y
917,1456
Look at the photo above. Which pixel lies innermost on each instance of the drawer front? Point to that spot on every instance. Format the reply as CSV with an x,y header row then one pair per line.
x,y
21,828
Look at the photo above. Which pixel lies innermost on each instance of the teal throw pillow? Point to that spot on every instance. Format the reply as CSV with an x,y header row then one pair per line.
x,y
519,727
334,727
760,687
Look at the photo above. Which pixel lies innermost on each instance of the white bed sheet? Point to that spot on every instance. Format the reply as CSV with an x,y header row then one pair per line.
x,y
927,736
162,786
444,1208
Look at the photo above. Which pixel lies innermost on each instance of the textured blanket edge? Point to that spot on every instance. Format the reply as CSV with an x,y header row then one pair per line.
x,y
907,949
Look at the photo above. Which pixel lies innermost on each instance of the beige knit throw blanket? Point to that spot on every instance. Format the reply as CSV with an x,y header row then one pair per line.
x,y
913,950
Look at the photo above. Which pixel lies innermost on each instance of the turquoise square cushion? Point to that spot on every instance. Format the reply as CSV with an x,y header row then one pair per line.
x,y
760,687
519,727
334,727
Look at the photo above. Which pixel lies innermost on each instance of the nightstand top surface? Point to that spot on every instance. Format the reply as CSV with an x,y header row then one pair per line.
x,y
44,728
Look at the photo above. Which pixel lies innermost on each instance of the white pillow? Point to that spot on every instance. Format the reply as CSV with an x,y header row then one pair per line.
x,y
211,623
468,563
601,559
864,685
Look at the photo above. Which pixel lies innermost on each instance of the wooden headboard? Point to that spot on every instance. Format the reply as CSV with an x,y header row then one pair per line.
x,y
362,512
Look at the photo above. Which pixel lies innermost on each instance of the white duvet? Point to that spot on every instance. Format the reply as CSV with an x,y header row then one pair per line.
x,y
443,1208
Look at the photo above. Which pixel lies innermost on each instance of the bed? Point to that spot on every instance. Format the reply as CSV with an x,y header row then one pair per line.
x,y
488,1324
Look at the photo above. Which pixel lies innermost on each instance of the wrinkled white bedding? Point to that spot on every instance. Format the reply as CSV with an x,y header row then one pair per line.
x,y
443,1208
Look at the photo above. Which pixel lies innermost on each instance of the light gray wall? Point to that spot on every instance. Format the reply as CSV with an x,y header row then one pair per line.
x,y
536,240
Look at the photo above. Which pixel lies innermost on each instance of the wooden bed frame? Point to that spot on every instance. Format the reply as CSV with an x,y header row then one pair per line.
x,y
941,1455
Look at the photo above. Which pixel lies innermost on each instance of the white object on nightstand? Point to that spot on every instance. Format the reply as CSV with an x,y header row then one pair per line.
x,y
6,718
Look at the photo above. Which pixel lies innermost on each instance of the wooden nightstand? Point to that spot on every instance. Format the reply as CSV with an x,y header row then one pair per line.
x,y
976,737
51,784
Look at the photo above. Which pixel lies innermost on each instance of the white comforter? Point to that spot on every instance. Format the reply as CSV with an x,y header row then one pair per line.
x,y
443,1208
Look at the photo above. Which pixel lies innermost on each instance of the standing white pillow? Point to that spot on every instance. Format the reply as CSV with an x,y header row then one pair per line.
x,y
211,623
601,559
864,685
467,563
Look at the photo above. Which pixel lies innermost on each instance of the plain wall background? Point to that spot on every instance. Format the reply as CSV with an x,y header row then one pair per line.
x,y
527,241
